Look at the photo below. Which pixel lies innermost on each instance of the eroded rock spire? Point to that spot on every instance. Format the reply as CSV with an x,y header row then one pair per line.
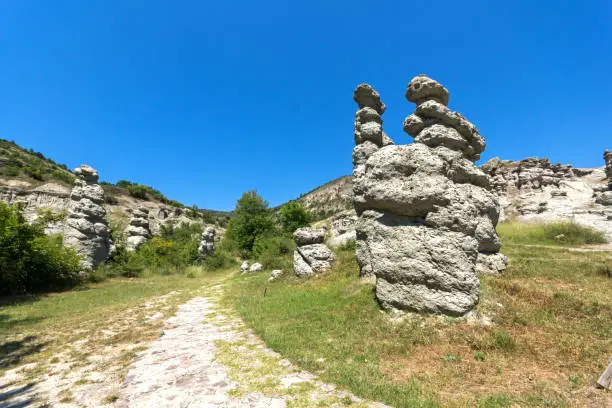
x,y
426,216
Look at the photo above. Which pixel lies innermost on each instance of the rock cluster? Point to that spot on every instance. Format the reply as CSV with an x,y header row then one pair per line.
x,y
207,244
138,232
86,228
527,174
605,197
427,219
311,255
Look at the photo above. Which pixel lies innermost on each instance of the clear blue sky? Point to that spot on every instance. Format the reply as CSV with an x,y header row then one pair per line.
x,y
205,100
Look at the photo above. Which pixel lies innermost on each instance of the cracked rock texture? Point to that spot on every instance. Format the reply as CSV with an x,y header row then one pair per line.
x,y
138,231
86,228
427,216
207,244
311,255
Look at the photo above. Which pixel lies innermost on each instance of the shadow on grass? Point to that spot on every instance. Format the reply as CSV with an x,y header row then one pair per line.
x,y
18,299
5,396
12,352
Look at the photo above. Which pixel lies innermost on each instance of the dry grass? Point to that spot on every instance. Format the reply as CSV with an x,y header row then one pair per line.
x,y
549,340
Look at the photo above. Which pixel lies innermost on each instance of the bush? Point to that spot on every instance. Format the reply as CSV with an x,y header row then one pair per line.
x,y
11,171
64,176
293,215
220,259
252,220
274,252
31,261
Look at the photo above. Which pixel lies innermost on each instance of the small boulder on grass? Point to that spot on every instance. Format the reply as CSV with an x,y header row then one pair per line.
x,y
256,267
275,274
244,267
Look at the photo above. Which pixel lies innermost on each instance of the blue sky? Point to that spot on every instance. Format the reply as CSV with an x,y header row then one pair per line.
x,y
205,100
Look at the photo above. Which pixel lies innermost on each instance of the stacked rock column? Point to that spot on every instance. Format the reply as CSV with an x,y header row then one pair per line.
x,y
426,215
138,231
311,255
369,137
86,228
608,160
207,244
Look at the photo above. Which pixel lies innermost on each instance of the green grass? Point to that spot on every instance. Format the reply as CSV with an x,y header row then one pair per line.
x,y
553,233
551,312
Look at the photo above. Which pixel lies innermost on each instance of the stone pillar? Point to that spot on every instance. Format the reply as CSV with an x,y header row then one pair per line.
x,y
608,159
426,216
86,228
138,231
207,244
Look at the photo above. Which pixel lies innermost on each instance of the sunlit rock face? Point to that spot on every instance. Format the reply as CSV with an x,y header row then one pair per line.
x,y
427,217
86,228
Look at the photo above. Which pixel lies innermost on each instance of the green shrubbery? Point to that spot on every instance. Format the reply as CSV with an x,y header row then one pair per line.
x,y
293,215
31,261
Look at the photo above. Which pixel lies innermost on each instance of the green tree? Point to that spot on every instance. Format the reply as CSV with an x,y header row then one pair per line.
x,y
293,215
252,219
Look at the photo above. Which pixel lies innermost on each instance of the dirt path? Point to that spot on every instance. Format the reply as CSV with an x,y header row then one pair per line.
x,y
206,358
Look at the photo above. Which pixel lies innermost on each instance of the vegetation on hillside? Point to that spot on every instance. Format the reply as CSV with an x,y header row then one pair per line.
x,y
31,261
18,162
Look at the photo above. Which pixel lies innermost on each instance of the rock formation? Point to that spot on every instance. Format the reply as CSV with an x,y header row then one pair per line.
x,y
311,255
207,244
526,174
342,228
608,159
605,197
86,228
138,232
244,266
426,216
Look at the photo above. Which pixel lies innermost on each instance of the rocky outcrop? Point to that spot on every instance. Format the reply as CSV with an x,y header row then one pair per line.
x,y
342,228
426,216
138,231
86,228
608,160
207,244
527,174
311,255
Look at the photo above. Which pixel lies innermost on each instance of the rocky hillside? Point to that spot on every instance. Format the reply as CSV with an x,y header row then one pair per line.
x,y
529,190
330,198
39,183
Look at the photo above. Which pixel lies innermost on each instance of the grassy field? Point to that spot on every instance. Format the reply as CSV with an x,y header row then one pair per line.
x,y
549,341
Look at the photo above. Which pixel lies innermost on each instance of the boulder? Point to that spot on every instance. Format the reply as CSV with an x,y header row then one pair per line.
x,y
138,231
275,274
307,235
311,255
256,267
244,266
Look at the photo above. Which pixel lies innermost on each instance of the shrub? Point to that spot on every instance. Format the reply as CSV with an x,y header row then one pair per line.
x,y
274,252
11,171
64,176
293,215
220,259
252,220
31,261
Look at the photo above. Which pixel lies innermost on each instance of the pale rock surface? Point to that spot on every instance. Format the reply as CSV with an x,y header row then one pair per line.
x,y
311,255
138,231
608,161
244,266
86,229
427,216
256,267
207,243
275,274
342,229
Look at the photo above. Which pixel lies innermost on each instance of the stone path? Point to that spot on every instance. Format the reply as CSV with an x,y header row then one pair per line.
x,y
206,358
